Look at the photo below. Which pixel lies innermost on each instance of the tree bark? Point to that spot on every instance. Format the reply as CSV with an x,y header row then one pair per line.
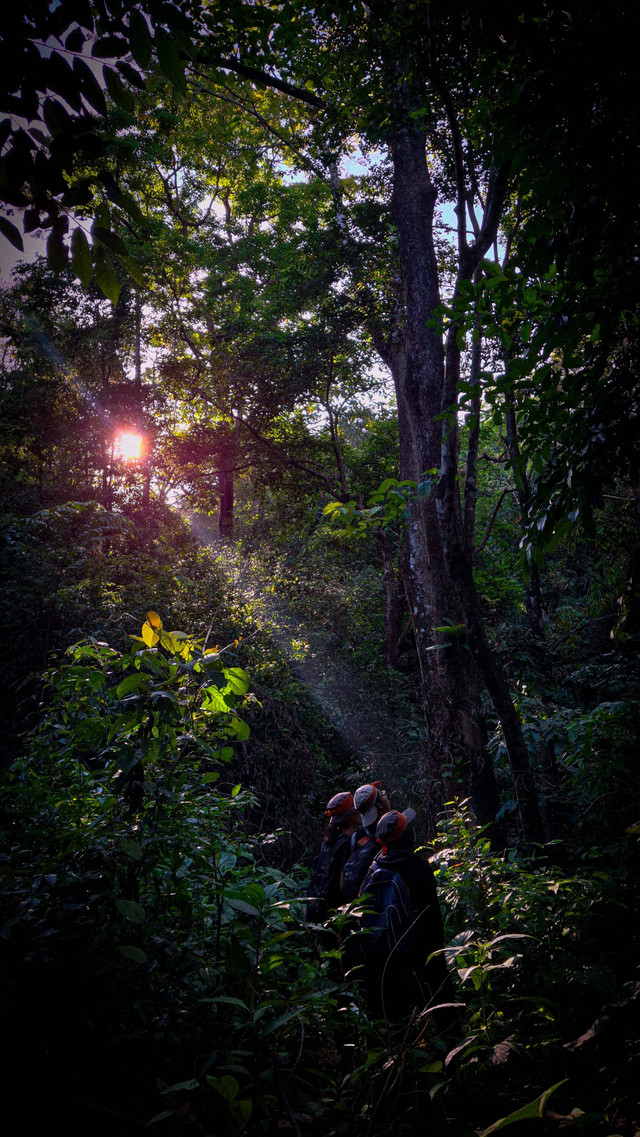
x,y
457,761
225,515
395,602
532,587
441,576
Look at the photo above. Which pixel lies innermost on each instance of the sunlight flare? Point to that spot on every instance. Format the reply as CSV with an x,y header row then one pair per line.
x,y
129,446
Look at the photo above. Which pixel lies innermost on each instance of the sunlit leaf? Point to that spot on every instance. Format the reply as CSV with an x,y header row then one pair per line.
x,y
150,637
533,1109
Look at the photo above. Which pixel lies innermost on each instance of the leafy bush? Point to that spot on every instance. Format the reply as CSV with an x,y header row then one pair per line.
x,y
128,867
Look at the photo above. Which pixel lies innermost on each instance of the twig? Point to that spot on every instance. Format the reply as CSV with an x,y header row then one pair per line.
x,y
510,489
584,624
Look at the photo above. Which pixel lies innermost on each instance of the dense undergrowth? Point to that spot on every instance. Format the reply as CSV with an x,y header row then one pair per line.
x,y
160,806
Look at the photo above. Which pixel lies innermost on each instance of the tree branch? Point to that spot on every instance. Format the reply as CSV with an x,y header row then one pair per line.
x,y
510,489
256,75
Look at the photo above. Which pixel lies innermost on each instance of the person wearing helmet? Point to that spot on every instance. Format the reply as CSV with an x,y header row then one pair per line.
x,y
325,885
371,802
405,927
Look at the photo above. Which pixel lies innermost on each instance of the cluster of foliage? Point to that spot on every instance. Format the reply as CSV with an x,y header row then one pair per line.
x,y
242,267
155,943
130,871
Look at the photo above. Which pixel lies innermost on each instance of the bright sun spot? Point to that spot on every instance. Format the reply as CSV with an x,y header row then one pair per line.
x,y
129,446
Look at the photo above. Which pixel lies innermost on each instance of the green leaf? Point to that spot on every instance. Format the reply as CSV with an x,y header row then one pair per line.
x,y
132,849
240,729
189,1084
131,911
110,240
109,47
162,1116
57,252
136,682
243,906
139,38
131,75
533,1109
12,234
282,1020
90,86
227,1086
169,60
120,95
241,1111
81,259
134,953
213,700
237,679
106,277
134,270
230,999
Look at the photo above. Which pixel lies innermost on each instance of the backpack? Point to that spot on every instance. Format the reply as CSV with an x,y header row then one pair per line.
x,y
322,881
388,915
363,850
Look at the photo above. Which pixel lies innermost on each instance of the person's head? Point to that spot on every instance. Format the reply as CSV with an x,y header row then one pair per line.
x,y
395,831
342,813
371,802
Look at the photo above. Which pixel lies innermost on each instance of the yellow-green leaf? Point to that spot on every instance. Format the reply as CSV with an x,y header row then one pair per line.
x,y
149,636
533,1109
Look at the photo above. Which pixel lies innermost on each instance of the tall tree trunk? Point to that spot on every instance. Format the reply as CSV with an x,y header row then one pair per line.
x,y
395,601
532,586
456,733
443,592
225,515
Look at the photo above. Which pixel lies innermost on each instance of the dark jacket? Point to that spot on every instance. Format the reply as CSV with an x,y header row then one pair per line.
x,y
410,979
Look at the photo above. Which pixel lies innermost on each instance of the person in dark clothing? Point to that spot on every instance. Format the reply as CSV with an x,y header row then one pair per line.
x,y
371,802
325,885
407,977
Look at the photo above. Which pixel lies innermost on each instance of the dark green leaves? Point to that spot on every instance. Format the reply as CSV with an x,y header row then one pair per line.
x,y
131,911
81,259
110,240
57,252
110,47
169,59
106,276
121,95
139,38
11,233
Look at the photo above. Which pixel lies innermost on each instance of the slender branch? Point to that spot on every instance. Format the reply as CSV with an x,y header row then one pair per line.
x,y
456,138
471,475
256,75
579,628
246,104
508,490
333,430
285,460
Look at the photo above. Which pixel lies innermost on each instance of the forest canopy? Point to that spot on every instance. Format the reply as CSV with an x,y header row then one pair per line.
x,y
319,465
